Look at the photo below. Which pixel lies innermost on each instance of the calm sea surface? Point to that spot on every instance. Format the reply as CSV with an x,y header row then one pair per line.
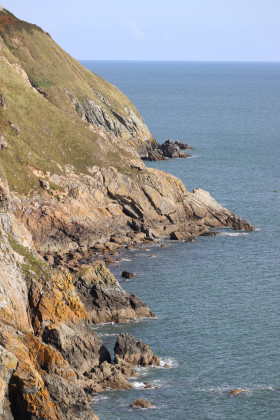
x,y
217,300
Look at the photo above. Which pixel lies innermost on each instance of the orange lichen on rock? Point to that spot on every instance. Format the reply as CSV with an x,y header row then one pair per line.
x,y
55,303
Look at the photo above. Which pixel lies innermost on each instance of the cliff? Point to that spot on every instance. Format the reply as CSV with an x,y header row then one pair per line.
x,y
72,184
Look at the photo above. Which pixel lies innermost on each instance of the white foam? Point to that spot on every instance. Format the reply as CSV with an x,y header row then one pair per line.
x,y
169,361
98,397
138,385
234,234
125,259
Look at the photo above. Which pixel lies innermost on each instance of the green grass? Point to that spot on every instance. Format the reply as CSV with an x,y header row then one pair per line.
x,y
32,267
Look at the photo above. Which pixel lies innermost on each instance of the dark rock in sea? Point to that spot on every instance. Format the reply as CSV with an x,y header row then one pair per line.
x,y
3,143
172,150
128,275
104,299
141,403
132,352
210,233
4,101
183,146
156,151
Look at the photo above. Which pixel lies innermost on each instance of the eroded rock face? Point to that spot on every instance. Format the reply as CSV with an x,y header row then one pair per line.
x,y
127,127
94,208
104,298
128,350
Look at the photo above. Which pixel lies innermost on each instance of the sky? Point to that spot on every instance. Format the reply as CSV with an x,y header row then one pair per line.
x,y
187,30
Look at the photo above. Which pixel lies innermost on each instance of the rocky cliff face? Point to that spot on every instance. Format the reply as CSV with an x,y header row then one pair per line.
x,y
71,184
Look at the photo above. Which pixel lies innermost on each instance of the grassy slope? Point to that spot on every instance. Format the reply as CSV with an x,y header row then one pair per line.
x,y
51,131
49,66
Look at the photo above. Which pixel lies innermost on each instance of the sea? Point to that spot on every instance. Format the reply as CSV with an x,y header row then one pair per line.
x,y
217,300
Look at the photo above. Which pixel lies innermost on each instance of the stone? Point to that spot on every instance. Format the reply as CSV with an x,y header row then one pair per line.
x,y
15,127
104,299
128,275
210,233
44,184
236,392
3,143
148,385
8,364
4,102
141,403
134,352
183,146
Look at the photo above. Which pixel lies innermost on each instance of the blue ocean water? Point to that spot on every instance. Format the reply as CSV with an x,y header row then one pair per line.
x,y
217,300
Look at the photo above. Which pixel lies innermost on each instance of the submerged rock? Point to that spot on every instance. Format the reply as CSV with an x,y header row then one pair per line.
x,y
128,350
236,392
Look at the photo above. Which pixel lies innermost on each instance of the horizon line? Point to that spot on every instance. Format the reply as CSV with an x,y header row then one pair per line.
x,y
181,61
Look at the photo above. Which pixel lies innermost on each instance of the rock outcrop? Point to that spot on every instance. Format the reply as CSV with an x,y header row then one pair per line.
x,y
132,352
166,150
104,298
141,403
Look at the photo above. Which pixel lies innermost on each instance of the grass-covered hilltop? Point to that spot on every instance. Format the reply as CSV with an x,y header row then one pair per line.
x,y
73,190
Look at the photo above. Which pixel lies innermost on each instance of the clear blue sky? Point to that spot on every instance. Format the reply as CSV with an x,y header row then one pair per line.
x,y
210,30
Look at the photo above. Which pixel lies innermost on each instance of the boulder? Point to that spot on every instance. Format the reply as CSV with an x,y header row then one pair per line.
x,y
44,184
128,275
141,403
236,392
132,352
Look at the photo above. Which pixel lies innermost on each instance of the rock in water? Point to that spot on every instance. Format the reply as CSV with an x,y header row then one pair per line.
x,y
104,298
236,392
141,403
128,275
130,351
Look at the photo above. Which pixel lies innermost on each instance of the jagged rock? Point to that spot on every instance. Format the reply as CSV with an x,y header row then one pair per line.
x,y
181,236
4,101
3,143
79,345
70,398
210,234
172,150
106,376
183,146
8,363
128,275
130,351
141,403
104,298
45,184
